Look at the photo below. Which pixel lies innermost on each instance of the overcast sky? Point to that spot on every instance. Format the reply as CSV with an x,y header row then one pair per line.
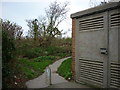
x,y
19,10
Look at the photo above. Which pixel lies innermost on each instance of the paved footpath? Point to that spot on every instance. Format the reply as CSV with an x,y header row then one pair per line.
x,y
57,81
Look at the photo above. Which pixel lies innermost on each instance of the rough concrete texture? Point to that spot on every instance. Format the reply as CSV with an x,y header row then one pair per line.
x,y
41,81
73,46
68,85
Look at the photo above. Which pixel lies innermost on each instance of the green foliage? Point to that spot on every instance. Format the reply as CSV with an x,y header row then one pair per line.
x,y
31,53
58,51
8,46
65,69
59,47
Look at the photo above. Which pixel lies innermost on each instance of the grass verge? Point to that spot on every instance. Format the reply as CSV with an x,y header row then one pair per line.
x,y
65,69
34,67
27,69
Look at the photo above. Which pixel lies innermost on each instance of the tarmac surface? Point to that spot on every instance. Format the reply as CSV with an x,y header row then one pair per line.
x,y
43,81
68,85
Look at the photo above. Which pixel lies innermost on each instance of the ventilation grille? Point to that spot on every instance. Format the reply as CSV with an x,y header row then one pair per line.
x,y
89,24
91,70
115,19
115,75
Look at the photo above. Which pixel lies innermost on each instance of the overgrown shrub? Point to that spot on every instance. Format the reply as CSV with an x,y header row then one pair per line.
x,y
10,32
8,47
31,53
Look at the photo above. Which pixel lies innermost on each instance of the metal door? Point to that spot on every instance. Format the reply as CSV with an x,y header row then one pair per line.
x,y
114,49
92,49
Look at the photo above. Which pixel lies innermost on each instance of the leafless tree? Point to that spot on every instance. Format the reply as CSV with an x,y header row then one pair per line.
x,y
33,28
55,14
13,29
93,3
47,26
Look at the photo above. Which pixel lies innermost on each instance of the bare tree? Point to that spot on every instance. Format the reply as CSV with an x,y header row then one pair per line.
x,y
114,0
19,33
55,14
13,29
33,28
42,26
94,3
47,26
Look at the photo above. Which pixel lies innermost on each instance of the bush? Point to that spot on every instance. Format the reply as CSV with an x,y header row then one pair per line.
x,y
31,53
8,47
27,48
58,51
41,58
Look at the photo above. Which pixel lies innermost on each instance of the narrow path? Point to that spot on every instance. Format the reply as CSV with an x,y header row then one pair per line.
x,y
40,82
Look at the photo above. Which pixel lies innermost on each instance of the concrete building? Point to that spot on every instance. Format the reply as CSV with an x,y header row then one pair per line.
x,y
96,46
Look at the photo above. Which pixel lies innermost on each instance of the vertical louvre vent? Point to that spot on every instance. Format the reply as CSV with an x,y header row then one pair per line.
x,y
93,23
115,19
91,70
115,75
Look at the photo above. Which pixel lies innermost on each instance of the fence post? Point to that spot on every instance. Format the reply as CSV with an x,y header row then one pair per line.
x,y
48,75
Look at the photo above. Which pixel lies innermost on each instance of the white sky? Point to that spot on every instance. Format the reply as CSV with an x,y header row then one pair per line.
x,y
20,10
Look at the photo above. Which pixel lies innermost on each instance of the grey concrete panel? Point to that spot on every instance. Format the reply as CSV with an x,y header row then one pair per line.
x,y
92,66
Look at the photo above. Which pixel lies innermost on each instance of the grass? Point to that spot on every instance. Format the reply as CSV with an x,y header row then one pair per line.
x,y
32,68
26,69
65,69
